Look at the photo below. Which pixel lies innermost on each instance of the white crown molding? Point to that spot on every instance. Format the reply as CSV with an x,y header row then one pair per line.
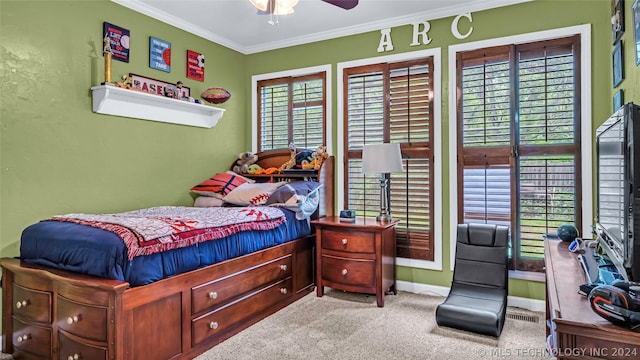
x,y
320,36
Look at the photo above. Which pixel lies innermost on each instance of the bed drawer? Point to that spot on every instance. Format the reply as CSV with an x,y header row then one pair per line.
x,y
217,322
215,293
84,320
31,338
345,271
351,241
70,349
32,304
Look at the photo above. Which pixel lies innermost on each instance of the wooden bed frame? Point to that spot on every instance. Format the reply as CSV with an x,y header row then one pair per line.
x,y
55,314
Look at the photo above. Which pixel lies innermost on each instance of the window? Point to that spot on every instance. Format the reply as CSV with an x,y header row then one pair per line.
x,y
292,109
519,143
393,102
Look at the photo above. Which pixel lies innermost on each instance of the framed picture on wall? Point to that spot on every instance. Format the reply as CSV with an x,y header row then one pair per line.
x,y
159,54
618,74
195,65
636,29
618,100
617,19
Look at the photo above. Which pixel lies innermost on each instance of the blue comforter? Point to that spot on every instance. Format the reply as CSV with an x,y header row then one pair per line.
x,y
88,250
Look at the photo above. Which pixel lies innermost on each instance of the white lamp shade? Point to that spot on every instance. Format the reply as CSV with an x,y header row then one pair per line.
x,y
381,158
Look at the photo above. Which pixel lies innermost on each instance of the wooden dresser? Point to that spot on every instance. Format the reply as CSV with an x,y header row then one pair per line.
x,y
579,332
356,256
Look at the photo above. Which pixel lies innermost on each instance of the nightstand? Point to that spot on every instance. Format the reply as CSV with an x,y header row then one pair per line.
x,y
357,256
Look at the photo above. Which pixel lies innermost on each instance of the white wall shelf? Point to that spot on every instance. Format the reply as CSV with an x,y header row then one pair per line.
x,y
112,100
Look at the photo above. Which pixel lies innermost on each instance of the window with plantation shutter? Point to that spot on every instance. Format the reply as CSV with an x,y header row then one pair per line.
x,y
292,109
518,141
392,102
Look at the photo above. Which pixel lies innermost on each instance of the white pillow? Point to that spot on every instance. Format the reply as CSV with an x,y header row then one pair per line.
x,y
208,201
252,193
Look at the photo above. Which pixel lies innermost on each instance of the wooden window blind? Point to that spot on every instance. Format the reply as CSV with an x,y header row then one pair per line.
x,y
292,109
518,143
393,102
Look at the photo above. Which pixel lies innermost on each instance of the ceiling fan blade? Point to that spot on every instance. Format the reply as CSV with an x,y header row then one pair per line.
x,y
345,4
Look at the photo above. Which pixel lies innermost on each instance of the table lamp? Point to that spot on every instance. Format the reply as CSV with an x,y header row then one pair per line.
x,y
382,159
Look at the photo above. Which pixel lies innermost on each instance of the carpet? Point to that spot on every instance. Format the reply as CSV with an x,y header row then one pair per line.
x,y
348,326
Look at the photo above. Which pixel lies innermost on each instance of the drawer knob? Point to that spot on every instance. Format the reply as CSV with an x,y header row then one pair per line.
x,y
24,337
283,290
21,304
344,241
213,295
283,267
73,319
213,325
344,272
75,356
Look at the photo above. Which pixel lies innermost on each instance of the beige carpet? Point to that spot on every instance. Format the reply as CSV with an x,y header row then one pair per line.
x,y
350,326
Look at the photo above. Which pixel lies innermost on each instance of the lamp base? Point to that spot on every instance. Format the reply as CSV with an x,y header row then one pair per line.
x,y
384,218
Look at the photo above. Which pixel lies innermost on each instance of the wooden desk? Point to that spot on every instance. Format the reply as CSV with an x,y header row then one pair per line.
x,y
579,332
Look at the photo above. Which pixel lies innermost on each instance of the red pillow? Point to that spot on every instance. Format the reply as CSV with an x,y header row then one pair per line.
x,y
219,185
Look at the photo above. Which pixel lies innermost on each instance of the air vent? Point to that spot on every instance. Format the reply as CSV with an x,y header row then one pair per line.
x,y
523,317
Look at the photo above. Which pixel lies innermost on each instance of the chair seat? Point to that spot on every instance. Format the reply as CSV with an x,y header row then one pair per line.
x,y
473,308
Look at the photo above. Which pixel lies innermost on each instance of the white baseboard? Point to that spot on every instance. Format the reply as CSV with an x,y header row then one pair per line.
x,y
434,290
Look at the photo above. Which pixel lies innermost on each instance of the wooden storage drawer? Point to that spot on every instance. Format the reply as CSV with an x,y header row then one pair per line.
x,y
83,320
209,295
71,349
32,304
217,322
31,338
351,241
348,271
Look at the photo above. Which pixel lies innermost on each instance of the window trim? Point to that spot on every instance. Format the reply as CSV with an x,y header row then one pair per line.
x,y
436,264
292,73
586,124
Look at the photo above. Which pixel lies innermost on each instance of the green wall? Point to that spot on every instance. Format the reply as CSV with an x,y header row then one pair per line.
x,y
57,156
512,20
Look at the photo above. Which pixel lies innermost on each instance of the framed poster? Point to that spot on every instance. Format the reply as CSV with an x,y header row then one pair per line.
x,y
119,40
636,29
157,87
618,100
159,54
195,65
617,19
618,74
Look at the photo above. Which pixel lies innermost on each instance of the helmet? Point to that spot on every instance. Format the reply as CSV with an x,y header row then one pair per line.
x,y
567,232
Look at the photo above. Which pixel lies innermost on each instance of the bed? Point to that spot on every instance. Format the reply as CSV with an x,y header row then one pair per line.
x,y
178,312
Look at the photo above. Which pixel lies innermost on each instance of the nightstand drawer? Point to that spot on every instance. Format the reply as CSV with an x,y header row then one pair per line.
x,y
349,241
31,338
70,349
348,271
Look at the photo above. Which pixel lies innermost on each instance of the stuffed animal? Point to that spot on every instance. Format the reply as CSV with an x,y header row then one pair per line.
x,y
291,163
245,160
254,168
317,158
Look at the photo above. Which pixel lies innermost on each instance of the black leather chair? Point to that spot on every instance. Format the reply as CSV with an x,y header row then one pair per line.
x,y
477,301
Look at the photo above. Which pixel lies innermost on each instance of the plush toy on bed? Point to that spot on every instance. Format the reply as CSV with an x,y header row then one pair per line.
x,y
291,163
245,160
317,158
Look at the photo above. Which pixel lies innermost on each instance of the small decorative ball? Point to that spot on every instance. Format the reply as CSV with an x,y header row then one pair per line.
x,y
567,232
216,95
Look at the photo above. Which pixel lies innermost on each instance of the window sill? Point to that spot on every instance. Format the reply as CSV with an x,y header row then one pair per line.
x,y
527,275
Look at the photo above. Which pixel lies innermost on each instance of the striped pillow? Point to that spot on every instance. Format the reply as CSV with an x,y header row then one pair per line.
x,y
219,185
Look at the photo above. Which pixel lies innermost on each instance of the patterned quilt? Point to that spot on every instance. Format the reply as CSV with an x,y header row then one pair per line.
x,y
158,229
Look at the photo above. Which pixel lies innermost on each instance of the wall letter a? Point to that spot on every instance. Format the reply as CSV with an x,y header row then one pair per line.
x,y
385,40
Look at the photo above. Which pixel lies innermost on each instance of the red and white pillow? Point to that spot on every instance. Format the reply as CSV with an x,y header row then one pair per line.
x,y
219,185
249,194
